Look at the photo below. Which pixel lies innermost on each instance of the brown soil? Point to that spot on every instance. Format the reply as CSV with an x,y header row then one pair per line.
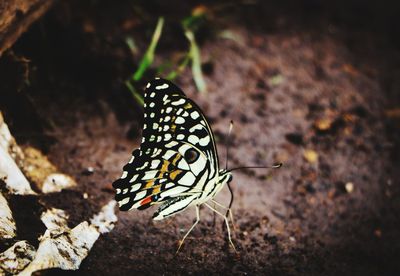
x,y
295,69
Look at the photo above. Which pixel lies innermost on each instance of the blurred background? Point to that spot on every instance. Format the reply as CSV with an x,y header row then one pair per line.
x,y
312,84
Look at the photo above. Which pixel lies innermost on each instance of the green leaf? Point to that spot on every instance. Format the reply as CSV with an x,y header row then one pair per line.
x,y
175,73
148,57
139,99
132,45
194,53
146,61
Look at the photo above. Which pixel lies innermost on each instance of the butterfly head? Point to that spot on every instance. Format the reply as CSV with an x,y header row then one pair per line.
x,y
225,176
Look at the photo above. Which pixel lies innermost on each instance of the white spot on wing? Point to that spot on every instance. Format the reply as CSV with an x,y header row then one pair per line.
x,y
180,120
124,174
183,149
204,141
171,144
174,191
193,139
167,137
198,166
123,202
155,163
183,165
140,195
164,86
149,175
168,154
148,85
196,127
187,180
179,102
144,166
169,185
135,187
133,178
195,115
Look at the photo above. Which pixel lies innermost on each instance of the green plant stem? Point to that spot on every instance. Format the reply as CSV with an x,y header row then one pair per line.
x,y
194,53
148,57
135,94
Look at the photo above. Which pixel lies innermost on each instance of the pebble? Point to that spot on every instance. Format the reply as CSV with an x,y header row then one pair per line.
x,y
349,187
311,156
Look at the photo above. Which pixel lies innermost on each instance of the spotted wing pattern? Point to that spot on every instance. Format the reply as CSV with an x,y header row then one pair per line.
x,y
177,163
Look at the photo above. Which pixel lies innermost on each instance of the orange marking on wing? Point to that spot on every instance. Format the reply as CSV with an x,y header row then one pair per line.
x,y
173,128
164,166
176,158
156,190
187,106
174,174
149,184
145,201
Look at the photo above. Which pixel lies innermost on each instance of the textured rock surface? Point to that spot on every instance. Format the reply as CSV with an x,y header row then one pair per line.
x,y
16,16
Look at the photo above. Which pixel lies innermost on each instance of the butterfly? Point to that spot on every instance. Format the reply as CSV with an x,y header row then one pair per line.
x,y
177,163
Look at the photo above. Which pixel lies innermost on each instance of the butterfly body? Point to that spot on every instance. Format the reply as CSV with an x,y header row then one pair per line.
x,y
176,165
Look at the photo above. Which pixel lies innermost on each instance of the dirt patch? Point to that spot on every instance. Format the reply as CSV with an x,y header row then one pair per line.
x,y
290,88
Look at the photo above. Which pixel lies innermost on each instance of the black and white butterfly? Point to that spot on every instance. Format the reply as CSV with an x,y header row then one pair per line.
x,y
176,165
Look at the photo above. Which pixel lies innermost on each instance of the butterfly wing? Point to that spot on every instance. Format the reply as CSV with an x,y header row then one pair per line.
x,y
177,162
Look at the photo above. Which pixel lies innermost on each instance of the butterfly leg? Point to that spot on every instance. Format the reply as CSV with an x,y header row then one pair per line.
x,y
191,228
227,225
229,212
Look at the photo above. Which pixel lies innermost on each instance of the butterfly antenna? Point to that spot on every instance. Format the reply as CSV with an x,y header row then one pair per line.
x,y
275,166
228,140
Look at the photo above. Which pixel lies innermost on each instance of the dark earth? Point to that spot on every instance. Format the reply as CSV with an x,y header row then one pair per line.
x,y
313,85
